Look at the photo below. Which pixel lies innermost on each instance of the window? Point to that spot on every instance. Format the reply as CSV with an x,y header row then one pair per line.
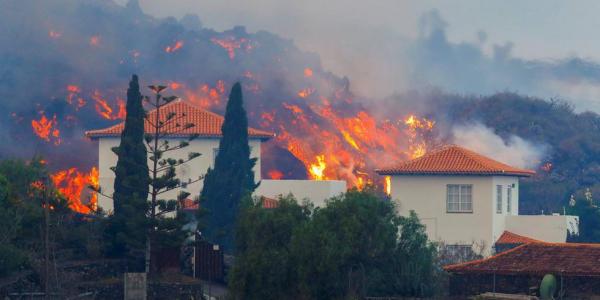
x,y
509,199
459,198
499,199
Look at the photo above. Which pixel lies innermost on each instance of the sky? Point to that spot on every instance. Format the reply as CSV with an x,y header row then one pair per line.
x,y
370,41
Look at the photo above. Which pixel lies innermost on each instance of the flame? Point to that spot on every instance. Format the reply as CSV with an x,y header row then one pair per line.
x,y
71,183
178,45
317,170
308,72
388,185
305,92
414,124
275,174
106,111
175,85
231,44
46,129
207,96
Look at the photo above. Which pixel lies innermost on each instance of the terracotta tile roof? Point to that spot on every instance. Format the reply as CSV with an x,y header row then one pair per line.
x,y
207,124
537,258
454,160
508,237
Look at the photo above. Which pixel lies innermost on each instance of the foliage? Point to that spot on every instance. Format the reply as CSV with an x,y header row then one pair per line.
x,y
232,178
354,247
264,267
127,227
589,218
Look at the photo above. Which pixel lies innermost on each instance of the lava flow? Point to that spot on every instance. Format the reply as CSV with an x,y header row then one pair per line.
x,y
74,186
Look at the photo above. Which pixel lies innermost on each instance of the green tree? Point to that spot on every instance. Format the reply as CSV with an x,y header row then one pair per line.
x,y
127,227
589,218
264,268
232,178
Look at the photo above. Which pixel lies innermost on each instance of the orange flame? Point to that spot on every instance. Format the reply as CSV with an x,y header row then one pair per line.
x,y
71,184
275,174
317,169
308,72
388,185
95,40
106,111
46,129
231,44
305,92
178,45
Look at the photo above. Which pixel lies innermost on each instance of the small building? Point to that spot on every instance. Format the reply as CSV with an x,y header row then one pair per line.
x,y
520,270
467,200
207,128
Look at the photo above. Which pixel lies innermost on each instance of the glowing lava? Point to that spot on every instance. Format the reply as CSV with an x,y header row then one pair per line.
x,y
46,129
172,48
73,185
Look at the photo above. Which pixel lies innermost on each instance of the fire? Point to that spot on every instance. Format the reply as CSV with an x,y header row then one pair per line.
x,y
305,92
317,170
207,96
106,111
175,85
172,48
46,129
308,72
231,44
72,183
414,124
388,185
95,40
275,174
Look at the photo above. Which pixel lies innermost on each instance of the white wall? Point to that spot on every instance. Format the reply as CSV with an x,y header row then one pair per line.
x,y
551,229
499,219
314,190
426,195
191,170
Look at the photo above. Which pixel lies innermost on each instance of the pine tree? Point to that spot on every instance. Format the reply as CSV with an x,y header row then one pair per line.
x,y
127,227
232,178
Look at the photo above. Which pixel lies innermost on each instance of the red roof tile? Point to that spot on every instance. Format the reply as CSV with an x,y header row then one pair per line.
x,y
508,237
537,258
454,160
207,124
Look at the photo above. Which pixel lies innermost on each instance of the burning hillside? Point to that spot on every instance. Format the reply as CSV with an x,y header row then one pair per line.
x,y
323,130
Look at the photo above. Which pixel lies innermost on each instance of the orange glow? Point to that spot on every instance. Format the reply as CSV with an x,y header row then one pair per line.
x,y
172,48
175,85
317,169
206,96
46,129
305,92
388,185
231,44
308,72
106,111
95,40
71,184
275,174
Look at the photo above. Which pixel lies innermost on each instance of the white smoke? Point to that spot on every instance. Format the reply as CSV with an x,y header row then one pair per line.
x,y
514,150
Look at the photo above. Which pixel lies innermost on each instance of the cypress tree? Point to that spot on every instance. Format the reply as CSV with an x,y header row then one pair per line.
x,y
127,227
232,178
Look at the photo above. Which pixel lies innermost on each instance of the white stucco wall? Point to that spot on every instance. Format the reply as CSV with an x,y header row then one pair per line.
x,y
499,219
192,170
317,191
553,229
426,195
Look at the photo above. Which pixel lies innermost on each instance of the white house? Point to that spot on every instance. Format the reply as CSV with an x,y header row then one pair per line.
x,y
207,126
466,199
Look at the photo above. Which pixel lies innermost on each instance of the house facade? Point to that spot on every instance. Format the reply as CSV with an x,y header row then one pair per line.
x,y
207,128
467,200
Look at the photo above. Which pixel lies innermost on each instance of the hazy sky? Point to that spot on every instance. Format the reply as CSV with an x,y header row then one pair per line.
x,y
361,38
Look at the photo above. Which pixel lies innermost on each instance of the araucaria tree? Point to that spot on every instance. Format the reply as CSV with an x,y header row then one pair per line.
x,y
128,225
232,178
144,173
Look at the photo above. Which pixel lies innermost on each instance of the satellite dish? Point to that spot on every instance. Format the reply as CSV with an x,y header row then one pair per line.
x,y
548,287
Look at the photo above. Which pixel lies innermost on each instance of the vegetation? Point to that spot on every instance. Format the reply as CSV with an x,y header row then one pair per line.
x,y
128,225
232,178
356,246
589,218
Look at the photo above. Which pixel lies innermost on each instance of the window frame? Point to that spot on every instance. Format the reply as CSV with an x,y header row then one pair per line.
x,y
499,199
462,205
509,199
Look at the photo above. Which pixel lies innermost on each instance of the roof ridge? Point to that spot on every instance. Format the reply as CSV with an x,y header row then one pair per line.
x,y
473,262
